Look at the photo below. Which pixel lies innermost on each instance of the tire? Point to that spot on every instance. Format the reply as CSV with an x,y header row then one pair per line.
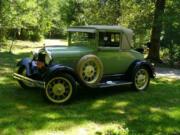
x,y
140,78
22,71
90,70
60,89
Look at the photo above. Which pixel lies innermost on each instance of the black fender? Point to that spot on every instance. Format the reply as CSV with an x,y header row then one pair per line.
x,y
26,62
137,64
59,69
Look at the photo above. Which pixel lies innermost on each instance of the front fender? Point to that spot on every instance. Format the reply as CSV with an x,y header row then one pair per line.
x,y
54,70
26,63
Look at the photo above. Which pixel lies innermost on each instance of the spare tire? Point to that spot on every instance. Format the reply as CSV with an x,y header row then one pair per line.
x,y
90,70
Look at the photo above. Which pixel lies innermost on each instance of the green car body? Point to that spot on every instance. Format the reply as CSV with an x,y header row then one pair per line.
x,y
96,56
115,59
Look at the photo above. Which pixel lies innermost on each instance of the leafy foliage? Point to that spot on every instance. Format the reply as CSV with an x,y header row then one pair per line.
x,y
34,19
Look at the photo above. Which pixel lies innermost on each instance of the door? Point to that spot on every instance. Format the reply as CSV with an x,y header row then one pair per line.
x,y
115,60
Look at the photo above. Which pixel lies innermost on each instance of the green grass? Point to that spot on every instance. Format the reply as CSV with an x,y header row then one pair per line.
x,y
112,111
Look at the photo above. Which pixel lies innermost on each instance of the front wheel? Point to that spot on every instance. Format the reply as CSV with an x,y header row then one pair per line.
x,y
141,79
60,88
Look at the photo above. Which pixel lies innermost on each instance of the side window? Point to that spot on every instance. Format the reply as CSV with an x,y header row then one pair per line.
x,y
109,39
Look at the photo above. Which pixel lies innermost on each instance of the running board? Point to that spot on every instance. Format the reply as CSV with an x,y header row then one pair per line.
x,y
34,83
113,83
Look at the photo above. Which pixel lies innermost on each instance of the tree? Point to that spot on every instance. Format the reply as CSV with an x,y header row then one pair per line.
x,y
137,15
171,33
156,31
104,12
4,19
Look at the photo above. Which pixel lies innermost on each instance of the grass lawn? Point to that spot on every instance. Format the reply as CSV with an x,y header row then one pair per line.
x,y
113,111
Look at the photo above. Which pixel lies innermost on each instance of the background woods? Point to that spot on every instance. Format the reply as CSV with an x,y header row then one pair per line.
x,y
155,21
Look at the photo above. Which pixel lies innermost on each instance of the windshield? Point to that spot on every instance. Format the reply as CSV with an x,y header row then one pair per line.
x,y
82,38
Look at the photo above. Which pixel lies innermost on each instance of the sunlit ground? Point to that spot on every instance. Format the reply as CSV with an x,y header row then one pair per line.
x,y
112,111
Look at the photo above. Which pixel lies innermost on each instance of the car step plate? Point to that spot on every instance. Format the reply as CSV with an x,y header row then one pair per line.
x,y
113,83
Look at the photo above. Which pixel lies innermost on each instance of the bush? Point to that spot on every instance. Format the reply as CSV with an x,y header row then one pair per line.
x,y
32,34
56,33
177,53
35,36
170,55
113,130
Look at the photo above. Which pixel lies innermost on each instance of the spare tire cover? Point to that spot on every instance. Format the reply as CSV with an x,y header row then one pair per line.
x,y
90,69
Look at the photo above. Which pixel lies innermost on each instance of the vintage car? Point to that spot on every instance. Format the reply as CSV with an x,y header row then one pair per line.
x,y
96,56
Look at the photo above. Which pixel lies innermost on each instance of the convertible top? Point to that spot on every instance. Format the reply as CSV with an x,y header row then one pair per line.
x,y
126,36
94,28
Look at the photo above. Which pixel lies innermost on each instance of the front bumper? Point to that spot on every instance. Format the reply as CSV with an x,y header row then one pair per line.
x,y
34,83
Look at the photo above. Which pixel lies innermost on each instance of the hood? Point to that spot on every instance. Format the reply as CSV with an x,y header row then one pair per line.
x,y
68,51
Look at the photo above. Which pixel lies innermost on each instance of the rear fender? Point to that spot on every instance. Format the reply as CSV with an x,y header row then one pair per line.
x,y
137,64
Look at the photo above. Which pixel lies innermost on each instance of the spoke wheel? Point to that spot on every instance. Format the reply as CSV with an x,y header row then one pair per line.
x,y
59,89
141,79
90,69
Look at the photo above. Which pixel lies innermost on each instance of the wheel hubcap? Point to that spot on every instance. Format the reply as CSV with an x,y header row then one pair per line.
x,y
141,79
59,89
90,71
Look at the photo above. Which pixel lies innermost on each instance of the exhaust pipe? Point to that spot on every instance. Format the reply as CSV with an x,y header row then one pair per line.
x,y
34,83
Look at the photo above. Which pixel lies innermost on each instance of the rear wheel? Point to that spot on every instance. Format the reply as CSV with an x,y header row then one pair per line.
x,y
141,79
60,89
22,71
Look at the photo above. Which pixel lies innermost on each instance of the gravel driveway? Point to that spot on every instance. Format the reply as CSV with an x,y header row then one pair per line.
x,y
168,72
55,42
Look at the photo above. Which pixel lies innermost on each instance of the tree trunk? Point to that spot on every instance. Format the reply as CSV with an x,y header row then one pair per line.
x,y
12,43
156,31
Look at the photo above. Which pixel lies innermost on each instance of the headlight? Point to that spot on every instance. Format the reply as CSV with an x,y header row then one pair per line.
x,y
35,54
42,55
48,57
